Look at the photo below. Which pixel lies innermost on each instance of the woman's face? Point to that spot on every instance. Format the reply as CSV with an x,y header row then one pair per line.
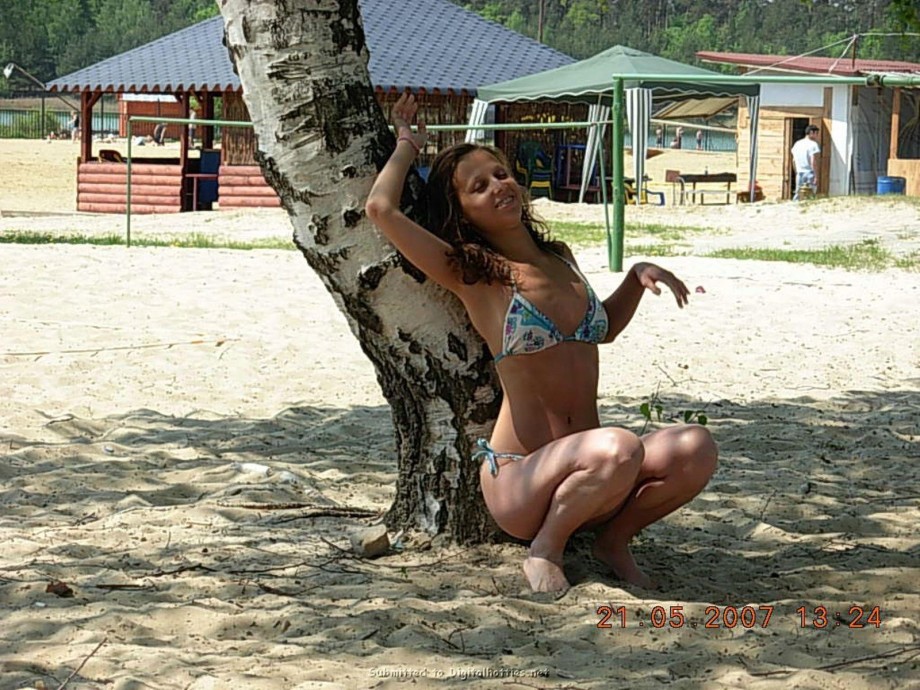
x,y
490,197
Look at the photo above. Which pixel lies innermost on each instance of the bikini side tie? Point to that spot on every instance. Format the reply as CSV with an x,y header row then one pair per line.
x,y
489,454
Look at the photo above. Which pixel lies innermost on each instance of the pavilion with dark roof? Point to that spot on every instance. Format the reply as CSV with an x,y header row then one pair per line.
x,y
462,51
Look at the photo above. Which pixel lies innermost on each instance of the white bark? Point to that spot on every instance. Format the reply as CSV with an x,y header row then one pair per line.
x,y
321,138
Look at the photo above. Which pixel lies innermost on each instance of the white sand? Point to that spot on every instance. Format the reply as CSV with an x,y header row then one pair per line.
x,y
145,391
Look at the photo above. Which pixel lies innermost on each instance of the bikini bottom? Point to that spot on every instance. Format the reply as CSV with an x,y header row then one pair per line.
x,y
487,454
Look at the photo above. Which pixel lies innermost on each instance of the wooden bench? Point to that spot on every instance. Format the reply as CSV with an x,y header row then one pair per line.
x,y
716,178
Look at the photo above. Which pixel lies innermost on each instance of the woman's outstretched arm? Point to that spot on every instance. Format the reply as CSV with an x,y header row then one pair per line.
x,y
420,247
622,304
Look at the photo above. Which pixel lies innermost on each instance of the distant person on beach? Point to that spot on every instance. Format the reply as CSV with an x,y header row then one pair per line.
x,y
549,469
699,140
74,125
805,154
678,142
659,138
159,134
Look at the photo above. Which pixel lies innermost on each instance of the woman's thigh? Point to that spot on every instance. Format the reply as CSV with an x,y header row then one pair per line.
x,y
519,497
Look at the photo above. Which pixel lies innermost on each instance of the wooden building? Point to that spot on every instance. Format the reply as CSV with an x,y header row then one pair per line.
x,y
866,132
460,52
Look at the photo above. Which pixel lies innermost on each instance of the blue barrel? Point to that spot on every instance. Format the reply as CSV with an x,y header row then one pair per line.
x,y
891,185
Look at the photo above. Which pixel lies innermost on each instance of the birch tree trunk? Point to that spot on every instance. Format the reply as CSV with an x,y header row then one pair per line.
x,y
321,139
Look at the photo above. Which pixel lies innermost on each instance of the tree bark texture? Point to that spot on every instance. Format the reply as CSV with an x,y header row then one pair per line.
x,y
321,139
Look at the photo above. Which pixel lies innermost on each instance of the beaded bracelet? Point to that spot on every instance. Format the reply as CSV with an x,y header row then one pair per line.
x,y
406,137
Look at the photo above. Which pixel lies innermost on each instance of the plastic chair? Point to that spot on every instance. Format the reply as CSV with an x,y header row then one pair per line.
x,y
646,193
673,178
111,156
536,168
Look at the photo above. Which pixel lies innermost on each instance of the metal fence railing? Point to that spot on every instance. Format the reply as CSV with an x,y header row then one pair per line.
x,y
33,123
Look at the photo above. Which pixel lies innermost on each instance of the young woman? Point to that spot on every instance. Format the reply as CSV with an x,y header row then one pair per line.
x,y
549,468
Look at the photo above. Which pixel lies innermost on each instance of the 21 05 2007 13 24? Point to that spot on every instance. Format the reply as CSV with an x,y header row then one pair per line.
x,y
713,617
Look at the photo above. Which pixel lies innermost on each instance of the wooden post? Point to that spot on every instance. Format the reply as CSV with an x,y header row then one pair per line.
x,y
824,125
184,100
207,113
895,123
186,194
87,101
86,128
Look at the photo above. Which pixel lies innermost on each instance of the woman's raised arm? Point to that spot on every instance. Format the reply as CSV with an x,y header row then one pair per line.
x,y
424,250
622,304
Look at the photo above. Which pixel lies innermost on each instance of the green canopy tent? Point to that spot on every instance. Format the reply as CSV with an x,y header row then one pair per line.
x,y
591,81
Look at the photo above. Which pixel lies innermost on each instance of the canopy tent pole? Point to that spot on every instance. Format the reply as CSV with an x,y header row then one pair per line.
x,y
597,115
615,243
753,104
639,111
477,117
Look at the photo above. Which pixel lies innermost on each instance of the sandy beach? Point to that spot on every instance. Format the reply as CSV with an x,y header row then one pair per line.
x,y
190,436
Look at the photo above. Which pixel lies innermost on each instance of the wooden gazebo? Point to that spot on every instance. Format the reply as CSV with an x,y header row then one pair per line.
x,y
193,64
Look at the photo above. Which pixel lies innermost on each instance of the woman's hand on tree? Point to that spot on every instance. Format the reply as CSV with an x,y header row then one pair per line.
x,y
649,275
403,113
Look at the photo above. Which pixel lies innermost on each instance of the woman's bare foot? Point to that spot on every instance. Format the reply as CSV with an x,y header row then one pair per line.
x,y
544,575
620,560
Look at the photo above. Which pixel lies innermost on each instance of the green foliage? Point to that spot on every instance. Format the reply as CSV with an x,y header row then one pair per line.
x,y
653,411
867,255
906,13
677,29
51,38
582,234
192,241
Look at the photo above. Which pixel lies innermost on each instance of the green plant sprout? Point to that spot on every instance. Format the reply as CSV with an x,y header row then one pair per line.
x,y
654,405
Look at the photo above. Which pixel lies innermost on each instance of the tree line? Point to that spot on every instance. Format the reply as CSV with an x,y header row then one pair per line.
x,y
677,29
51,38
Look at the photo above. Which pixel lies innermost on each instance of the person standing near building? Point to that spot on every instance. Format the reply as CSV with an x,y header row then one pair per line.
x,y
805,154
192,115
678,142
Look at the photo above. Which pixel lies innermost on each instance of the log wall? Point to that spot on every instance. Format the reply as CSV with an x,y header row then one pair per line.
x,y
242,186
102,187
128,109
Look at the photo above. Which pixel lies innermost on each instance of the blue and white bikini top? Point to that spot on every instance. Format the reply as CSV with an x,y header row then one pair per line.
x,y
529,330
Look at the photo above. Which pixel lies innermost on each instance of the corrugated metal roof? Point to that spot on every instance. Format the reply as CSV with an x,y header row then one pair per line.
x,y
416,44
844,67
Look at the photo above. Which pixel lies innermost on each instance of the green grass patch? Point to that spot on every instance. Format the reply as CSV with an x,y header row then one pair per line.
x,y
578,234
911,262
193,241
867,255
585,234
663,249
669,233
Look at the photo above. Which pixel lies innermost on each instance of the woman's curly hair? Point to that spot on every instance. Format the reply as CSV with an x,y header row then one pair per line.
x,y
471,252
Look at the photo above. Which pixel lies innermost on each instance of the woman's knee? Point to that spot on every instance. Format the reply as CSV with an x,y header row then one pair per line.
x,y
699,448
615,454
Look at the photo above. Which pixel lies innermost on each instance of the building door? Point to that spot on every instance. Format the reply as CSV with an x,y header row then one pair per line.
x,y
794,130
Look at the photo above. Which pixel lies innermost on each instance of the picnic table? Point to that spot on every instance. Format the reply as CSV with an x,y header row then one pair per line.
x,y
699,195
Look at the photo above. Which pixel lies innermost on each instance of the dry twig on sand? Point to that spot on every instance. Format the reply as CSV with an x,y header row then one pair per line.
x,y
82,664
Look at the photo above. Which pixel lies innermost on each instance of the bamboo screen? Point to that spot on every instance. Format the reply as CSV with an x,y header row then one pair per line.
x,y
237,143
533,112
435,109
